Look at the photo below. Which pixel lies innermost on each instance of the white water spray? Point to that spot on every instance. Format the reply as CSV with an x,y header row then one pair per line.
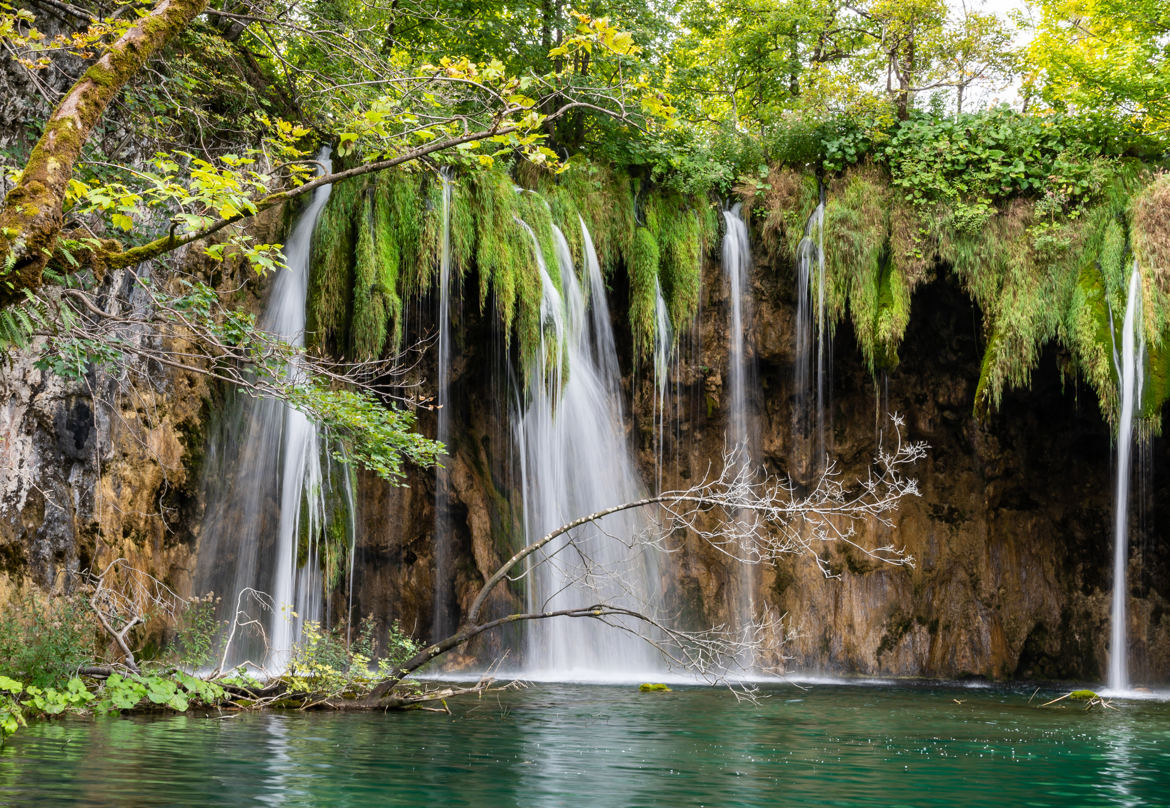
x,y
1129,373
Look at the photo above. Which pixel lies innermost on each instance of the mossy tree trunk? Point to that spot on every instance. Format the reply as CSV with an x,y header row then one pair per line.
x,y
31,216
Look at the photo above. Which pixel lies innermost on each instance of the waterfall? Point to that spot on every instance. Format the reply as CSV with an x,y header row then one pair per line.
x,y
663,344
441,622
740,438
1129,376
602,350
736,266
574,460
268,493
813,344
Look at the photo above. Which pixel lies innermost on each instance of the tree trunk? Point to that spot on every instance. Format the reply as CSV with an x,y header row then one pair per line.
x,y
30,219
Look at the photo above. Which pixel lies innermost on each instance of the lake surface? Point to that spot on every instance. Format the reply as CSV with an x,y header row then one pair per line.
x,y
598,746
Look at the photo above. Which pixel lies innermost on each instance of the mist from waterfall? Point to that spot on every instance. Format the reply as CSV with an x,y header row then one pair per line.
x,y
267,488
574,460
1129,365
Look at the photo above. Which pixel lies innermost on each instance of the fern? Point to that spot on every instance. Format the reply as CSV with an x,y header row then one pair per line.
x,y
19,322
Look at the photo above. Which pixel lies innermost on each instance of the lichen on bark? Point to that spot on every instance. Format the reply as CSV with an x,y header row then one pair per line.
x,y
31,216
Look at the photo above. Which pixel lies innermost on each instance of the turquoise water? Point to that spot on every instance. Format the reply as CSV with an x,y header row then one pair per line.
x,y
594,746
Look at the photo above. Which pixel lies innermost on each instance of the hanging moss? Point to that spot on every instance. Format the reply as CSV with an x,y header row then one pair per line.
x,y
496,254
643,272
336,541
1155,386
402,209
462,226
1022,307
605,199
564,212
1151,230
1043,280
537,214
858,271
1090,335
367,325
708,220
388,256
504,254
331,272
677,231
913,240
782,204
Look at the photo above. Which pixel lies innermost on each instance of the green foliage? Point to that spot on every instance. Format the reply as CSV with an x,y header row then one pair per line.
x,y
362,429
43,640
694,163
11,713
196,633
975,160
20,321
1106,59
359,427
324,664
164,689
171,689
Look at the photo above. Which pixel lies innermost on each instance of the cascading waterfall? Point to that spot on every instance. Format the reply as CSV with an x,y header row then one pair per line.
x,y
441,618
740,438
602,349
813,343
736,265
266,467
663,344
574,460
1129,374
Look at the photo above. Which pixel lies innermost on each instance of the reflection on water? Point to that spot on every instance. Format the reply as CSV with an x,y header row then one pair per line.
x,y
553,746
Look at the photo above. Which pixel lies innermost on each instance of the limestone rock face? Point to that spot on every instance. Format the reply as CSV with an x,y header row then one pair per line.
x,y
98,468
1011,537
108,465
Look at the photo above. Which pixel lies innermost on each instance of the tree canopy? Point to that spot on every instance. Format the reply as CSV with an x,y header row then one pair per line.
x,y
160,126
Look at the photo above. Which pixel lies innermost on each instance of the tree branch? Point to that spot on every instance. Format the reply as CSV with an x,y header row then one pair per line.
x,y
31,216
